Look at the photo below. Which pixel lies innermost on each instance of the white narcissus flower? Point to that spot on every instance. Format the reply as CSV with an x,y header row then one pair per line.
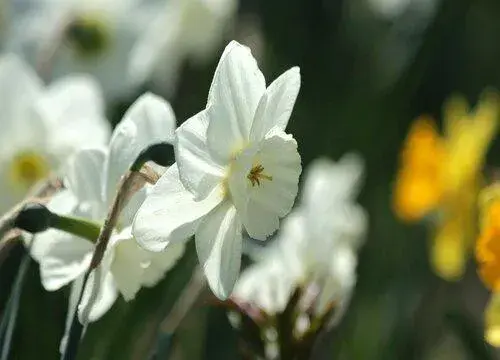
x,y
316,246
92,178
182,30
268,283
41,126
236,170
91,36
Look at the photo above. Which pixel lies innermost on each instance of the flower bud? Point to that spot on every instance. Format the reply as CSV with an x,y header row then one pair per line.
x,y
34,218
160,153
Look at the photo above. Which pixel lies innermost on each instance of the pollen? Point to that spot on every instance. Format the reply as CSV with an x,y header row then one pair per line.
x,y
27,168
256,175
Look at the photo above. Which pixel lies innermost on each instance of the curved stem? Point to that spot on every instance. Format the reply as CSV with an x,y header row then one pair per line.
x,y
130,183
77,226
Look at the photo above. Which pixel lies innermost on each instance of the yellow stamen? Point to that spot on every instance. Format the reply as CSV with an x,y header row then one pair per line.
x,y
27,168
256,174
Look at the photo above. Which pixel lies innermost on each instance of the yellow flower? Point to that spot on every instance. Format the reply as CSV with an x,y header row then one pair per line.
x,y
418,189
488,259
492,321
488,242
441,174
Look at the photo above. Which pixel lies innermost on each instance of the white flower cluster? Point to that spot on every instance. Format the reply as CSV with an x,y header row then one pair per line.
x,y
236,170
41,125
102,38
316,248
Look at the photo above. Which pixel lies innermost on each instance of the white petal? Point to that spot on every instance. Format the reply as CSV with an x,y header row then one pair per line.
x,y
327,182
99,295
201,41
276,106
134,267
19,83
85,174
160,263
158,52
274,198
260,222
134,203
20,90
74,96
266,284
74,106
238,183
218,244
149,120
169,213
294,242
127,267
199,172
236,89
348,223
339,282
328,201
64,259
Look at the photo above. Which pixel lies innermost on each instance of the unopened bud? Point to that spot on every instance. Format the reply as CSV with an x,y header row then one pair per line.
x,y
160,153
34,218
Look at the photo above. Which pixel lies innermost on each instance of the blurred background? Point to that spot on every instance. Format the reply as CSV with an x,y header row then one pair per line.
x,y
369,67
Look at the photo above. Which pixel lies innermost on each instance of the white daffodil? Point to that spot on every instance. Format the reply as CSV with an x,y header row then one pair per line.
x,y
92,178
268,283
91,36
41,126
182,30
316,246
236,170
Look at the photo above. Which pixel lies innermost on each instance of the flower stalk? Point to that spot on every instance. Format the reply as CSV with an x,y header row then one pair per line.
x,y
77,226
130,183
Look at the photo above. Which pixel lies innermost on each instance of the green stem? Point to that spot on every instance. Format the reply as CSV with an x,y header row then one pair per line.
x,y
77,226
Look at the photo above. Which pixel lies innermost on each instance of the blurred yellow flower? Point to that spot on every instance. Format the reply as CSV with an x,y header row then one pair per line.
x,y
442,173
418,189
492,321
488,243
488,258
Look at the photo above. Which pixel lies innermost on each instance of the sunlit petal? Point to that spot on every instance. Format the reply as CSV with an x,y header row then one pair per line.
x,y
218,244
170,214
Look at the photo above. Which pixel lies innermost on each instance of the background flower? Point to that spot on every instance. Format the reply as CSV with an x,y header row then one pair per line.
x,y
42,126
316,248
443,174
95,37
181,30
92,177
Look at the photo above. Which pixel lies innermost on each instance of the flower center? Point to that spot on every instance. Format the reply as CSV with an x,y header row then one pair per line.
x,y
27,168
257,174
88,35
